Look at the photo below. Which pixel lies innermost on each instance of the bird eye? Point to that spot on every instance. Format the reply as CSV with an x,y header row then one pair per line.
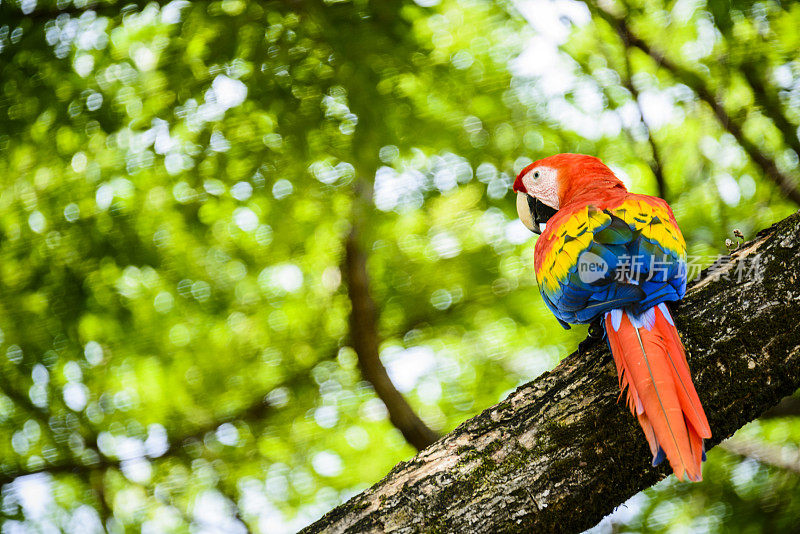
x,y
536,174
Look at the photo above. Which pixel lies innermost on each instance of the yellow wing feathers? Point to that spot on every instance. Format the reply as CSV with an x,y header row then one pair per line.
x,y
640,215
574,234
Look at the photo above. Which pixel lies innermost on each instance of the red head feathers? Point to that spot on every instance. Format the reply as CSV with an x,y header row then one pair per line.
x,y
563,178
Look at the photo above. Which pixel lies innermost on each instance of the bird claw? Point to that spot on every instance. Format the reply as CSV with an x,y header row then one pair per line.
x,y
730,244
595,334
596,329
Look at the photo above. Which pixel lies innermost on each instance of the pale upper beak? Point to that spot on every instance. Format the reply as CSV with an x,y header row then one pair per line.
x,y
533,213
526,212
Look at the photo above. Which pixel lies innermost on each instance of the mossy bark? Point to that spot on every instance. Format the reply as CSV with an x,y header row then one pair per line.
x,y
561,452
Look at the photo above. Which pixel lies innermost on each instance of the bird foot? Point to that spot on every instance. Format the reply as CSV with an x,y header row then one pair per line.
x,y
596,333
730,244
596,329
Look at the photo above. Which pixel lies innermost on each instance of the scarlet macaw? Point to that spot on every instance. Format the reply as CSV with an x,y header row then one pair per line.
x,y
606,253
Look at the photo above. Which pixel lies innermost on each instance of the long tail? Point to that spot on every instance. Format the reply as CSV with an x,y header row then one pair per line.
x,y
652,364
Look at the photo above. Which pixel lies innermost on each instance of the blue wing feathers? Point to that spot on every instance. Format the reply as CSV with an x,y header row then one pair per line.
x,y
660,275
616,233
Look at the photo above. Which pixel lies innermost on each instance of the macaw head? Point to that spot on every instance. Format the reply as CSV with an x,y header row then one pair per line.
x,y
544,186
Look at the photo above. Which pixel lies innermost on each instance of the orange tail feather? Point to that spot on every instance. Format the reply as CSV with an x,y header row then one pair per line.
x,y
651,362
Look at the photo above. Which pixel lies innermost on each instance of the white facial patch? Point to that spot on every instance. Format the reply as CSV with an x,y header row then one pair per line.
x,y
542,183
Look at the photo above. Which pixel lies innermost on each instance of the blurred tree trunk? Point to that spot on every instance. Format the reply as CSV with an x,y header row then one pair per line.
x,y
561,452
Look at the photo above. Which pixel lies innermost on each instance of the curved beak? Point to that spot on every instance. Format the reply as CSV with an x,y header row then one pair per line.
x,y
533,213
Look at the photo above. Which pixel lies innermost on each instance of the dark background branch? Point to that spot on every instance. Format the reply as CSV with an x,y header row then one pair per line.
x,y
785,182
765,453
365,341
788,407
655,163
754,70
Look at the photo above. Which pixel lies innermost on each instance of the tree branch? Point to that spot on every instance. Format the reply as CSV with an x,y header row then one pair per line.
x,y
753,68
364,338
654,162
785,182
765,453
770,104
788,407
561,452
656,166
257,410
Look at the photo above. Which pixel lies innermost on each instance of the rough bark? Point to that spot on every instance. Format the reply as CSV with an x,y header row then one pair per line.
x,y
561,452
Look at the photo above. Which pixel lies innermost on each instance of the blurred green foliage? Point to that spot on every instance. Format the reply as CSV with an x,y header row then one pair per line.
x,y
178,180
